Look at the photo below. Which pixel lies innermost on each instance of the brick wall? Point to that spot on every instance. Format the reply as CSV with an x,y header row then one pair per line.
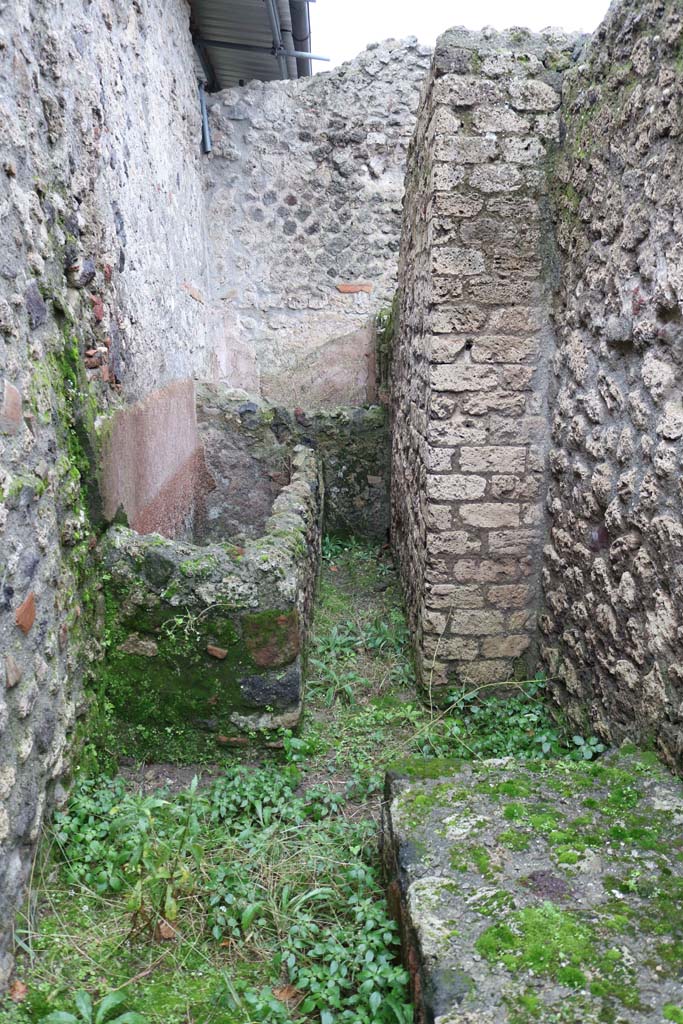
x,y
470,359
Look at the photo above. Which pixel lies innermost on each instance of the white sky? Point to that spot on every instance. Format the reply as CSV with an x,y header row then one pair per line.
x,y
342,28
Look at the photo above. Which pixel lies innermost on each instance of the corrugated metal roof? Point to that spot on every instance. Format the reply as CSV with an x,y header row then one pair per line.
x,y
246,30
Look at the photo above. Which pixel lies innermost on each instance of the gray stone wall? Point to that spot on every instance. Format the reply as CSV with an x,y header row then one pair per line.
x,y
102,247
304,190
613,623
471,351
248,446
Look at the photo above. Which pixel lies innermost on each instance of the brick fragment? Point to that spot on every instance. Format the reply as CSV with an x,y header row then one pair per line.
x,y
25,615
216,652
11,418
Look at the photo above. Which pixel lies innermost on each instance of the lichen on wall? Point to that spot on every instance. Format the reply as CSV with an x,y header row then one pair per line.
x,y
613,588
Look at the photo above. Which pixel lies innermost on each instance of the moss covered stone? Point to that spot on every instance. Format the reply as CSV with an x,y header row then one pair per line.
x,y
561,905
210,637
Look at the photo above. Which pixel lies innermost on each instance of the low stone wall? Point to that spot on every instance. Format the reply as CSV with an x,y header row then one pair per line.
x,y
470,354
613,567
246,448
215,635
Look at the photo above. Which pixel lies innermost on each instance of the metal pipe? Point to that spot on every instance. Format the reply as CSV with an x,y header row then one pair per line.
x,y
206,128
207,67
274,19
301,34
285,15
249,48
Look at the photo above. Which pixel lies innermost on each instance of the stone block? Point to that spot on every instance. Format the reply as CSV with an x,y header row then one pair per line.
x,y
476,621
465,91
443,206
452,596
464,149
523,150
445,177
457,431
505,646
515,320
516,378
464,262
495,178
451,648
13,671
532,95
494,401
459,377
456,319
493,459
500,119
474,570
455,487
453,542
480,673
446,348
509,595
511,543
502,349
490,515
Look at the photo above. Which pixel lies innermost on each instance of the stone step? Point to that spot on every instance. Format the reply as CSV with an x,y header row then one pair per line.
x,y
538,892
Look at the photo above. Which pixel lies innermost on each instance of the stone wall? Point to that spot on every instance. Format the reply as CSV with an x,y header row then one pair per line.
x,y
101,257
304,191
471,352
248,446
213,637
613,623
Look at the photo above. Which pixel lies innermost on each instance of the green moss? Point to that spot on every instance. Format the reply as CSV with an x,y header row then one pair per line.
x,y
417,804
542,939
481,858
514,839
673,1013
199,568
272,635
493,904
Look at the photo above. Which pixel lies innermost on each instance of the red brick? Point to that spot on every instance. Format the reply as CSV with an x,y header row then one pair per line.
x,y
10,409
216,652
25,614
354,286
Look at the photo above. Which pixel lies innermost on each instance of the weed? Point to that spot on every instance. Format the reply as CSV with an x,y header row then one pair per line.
x,y
256,896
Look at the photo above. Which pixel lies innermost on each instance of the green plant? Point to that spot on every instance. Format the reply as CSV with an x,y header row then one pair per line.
x,y
587,749
111,1010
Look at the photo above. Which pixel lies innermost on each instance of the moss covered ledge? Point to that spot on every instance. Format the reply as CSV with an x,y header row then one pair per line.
x,y
539,893
213,637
